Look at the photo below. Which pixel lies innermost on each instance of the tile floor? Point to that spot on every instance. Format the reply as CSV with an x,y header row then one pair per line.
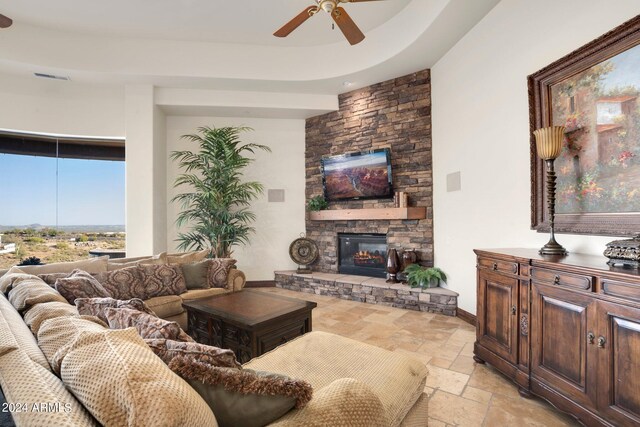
x,y
462,393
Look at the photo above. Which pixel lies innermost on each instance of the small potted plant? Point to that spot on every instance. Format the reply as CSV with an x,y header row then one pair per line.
x,y
422,277
317,203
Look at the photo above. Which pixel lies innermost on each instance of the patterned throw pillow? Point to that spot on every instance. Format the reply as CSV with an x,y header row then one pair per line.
x,y
243,396
167,350
219,271
50,278
160,280
121,283
80,284
97,306
148,326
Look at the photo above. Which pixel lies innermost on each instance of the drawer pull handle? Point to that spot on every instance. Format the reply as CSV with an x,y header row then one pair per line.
x,y
591,337
601,342
514,310
556,280
495,266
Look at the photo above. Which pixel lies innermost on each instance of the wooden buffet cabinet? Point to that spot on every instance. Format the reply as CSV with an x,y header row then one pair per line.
x,y
566,329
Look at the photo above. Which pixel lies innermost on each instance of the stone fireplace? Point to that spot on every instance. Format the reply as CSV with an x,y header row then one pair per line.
x,y
362,254
395,114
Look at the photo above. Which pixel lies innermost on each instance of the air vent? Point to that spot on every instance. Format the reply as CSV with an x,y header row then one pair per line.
x,y
51,76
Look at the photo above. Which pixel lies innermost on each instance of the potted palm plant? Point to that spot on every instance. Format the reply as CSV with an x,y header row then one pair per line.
x,y
216,201
422,277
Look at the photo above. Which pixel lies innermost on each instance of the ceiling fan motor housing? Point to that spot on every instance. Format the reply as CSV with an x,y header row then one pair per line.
x,y
328,5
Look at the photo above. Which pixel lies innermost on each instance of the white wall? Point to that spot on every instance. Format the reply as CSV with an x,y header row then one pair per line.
x,y
277,224
481,128
61,107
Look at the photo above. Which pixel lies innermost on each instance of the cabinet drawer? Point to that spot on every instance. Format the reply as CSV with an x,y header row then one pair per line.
x,y
497,265
629,291
272,339
562,279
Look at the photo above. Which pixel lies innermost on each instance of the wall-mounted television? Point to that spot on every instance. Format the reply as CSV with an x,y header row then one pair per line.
x,y
363,175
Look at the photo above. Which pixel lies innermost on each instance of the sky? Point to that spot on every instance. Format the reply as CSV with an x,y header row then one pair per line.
x,y
625,71
90,192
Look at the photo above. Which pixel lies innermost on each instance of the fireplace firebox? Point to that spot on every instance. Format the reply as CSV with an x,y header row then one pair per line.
x,y
362,254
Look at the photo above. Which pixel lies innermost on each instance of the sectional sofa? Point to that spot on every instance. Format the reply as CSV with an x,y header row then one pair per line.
x,y
60,368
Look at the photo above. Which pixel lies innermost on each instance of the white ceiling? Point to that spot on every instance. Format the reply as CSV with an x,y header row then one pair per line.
x,y
231,21
228,45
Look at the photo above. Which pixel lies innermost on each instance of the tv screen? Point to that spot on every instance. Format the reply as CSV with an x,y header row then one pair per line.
x,y
364,175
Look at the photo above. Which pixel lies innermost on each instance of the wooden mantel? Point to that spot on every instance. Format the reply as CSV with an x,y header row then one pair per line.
x,y
376,213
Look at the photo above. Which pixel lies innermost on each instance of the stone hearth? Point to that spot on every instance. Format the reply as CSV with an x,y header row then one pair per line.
x,y
370,290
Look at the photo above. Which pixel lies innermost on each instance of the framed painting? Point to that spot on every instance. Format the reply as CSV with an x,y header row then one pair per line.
x,y
595,93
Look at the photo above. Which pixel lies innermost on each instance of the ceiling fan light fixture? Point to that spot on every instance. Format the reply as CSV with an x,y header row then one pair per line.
x,y
328,5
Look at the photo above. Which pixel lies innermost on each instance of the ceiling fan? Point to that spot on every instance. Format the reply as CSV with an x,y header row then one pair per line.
x,y
339,15
5,22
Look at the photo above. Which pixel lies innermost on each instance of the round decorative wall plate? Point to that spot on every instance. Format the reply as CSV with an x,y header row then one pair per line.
x,y
303,251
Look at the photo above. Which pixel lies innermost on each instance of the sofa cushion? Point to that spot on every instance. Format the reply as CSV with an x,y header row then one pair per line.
x,y
148,326
50,278
80,284
188,257
13,274
165,306
167,350
219,271
8,341
242,396
96,306
160,280
56,335
321,358
121,382
28,292
21,333
47,310
202,293
24,381
344,402
90,265
159,259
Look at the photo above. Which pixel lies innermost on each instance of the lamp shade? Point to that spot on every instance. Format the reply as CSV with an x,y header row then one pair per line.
x,y
549,141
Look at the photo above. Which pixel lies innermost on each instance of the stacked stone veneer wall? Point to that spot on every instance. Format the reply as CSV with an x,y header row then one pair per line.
x,y
394,114
370,290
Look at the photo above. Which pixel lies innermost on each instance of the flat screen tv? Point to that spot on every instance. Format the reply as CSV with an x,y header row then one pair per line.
x,y
352,176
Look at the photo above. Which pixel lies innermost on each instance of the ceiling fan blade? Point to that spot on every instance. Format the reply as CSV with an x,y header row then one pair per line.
x,y
347,26
296,22
5,22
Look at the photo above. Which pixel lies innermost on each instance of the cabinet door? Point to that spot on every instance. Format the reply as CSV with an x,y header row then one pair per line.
x,y
497,328
619,363
561,353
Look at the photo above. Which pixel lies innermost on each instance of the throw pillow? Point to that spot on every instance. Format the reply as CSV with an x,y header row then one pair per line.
x,y
242,396
188,257
148,326
50,278
80,284
160,280
196,274
97,306
14,273
122,383
167,350
121,284
219,271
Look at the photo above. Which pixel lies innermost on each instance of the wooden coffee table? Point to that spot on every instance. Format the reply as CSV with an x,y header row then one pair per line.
x,y
248,322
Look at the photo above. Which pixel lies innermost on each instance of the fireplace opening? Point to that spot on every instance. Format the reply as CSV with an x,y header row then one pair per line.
x,y
362,254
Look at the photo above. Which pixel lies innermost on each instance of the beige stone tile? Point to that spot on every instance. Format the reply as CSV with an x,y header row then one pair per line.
x,y
440,362
486,378
429,391
467,350
504,411
444,379
463,364
456,410
477,395
436,423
